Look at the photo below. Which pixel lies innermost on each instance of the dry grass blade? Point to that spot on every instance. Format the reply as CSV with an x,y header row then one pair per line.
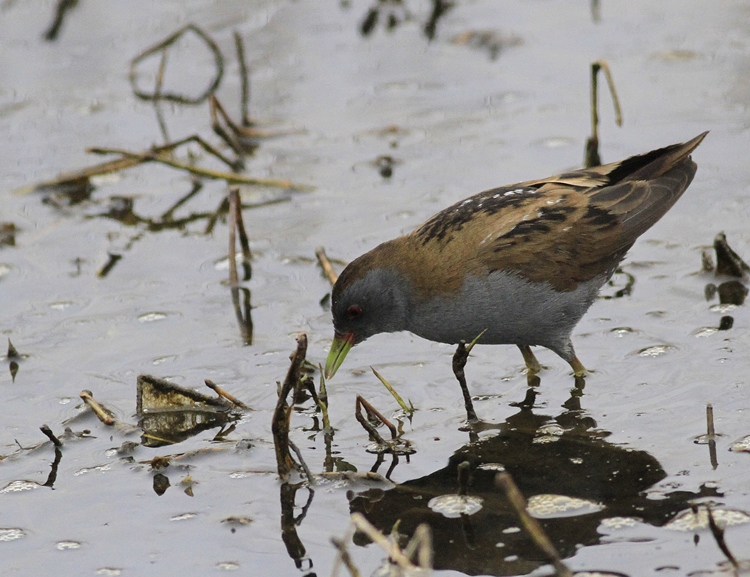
x,y
408,410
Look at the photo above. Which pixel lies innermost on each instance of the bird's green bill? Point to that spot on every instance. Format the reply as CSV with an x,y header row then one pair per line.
x,y
339,349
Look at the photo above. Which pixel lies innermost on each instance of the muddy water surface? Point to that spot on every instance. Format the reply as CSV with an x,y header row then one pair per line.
x,y
500,94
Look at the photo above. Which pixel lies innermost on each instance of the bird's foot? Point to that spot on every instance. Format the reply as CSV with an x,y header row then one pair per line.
x,y
578,369
532,364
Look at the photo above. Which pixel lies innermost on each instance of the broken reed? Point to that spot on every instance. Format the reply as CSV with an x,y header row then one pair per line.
x,y
282,414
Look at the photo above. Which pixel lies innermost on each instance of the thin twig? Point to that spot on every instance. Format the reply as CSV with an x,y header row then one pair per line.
x,y
50,435
718,533
222,393
244,242
420,546
711,436
239,46
326,265
203,172
112,259
123,163
389,546
305,468
464,477
243,313
531,525
215,109
361,402
234,201
157,96
103,414
60,11
282,414
592,157
162,46
221,210
344,557
197,187
323,398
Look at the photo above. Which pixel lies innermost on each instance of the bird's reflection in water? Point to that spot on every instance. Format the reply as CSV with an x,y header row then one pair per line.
x,y
565,456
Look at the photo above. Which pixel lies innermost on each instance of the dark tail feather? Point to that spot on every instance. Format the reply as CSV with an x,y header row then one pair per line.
x,y
655,163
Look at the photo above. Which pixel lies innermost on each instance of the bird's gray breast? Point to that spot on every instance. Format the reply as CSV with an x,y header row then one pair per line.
x,y
512,309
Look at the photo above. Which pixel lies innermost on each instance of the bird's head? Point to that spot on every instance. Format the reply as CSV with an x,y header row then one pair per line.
x,y
366,300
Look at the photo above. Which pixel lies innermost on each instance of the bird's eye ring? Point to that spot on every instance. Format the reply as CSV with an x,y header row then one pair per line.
x,y
354,312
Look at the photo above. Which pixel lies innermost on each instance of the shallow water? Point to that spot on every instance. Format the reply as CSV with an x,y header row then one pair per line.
x,y
457,119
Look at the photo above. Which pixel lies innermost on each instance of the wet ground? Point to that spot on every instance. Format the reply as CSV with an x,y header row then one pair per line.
x,y
499,94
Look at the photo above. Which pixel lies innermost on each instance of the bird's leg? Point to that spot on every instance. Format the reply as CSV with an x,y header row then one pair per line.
x,y
459,362
532,364
568,353
578,369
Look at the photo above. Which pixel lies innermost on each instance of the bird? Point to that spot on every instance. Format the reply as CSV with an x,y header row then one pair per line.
x,y
519,264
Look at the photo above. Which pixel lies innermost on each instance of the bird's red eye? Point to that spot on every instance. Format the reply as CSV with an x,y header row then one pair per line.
x,y
354,312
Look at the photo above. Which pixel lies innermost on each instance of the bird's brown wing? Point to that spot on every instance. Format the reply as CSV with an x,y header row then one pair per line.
x,y
570,234
564,229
